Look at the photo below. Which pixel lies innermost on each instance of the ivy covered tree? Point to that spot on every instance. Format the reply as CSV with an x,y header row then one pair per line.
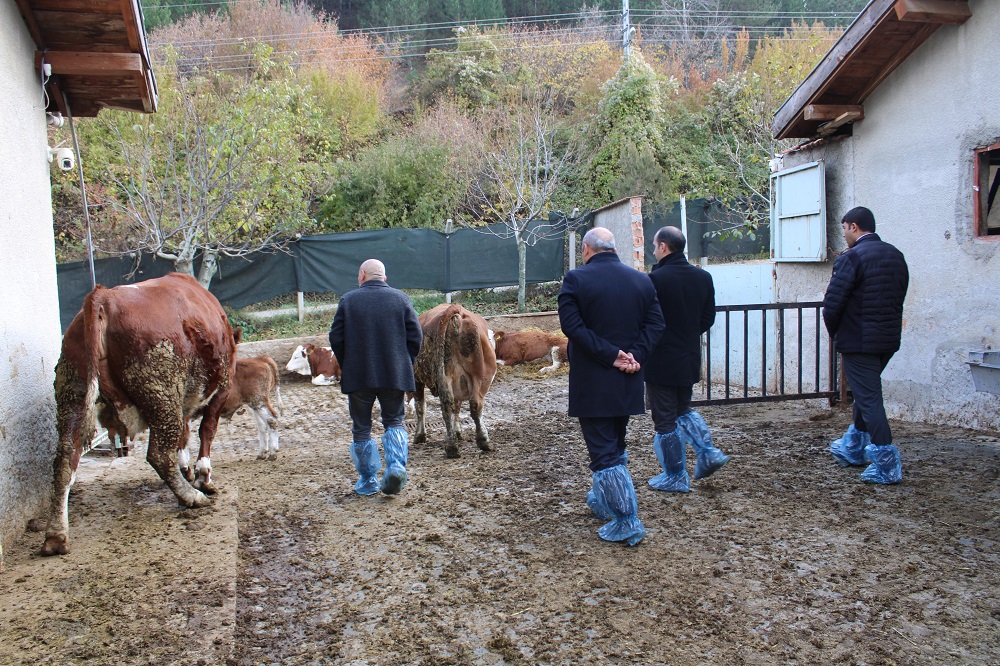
x,y
626,138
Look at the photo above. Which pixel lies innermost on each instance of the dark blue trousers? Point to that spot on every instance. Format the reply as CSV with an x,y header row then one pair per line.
x,y
360,403
666,403
605,438
864,375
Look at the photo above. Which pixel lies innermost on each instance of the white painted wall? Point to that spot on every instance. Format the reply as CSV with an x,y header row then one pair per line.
x,y
910,160
29,316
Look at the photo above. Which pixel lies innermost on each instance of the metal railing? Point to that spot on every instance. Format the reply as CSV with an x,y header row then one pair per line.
x,y
772,383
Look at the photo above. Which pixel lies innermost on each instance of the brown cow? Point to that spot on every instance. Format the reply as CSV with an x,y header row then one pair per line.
x,y
253,383
154,354
457,363
526,346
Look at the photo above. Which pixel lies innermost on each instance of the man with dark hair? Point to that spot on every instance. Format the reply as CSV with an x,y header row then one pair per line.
x,y
376,337
687,299
609,313
863,310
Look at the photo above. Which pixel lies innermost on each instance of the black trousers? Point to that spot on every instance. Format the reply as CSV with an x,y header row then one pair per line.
x,y
864,375
360,403
605,438
666,403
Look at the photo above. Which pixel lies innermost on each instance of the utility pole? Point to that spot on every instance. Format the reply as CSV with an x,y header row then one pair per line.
x,y
627,31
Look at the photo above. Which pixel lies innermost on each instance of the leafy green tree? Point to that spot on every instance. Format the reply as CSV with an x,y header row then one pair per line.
x,y
472,73
416,178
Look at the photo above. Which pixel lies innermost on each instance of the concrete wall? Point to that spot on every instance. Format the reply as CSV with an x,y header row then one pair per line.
x,y
911,161
29,319
624,220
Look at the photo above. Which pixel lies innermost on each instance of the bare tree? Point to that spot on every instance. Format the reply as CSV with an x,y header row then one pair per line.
x,y
524,161
201,177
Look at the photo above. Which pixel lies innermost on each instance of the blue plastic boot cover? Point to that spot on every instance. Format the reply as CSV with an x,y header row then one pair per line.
x,y
850,449
394,441
596,503
614,489
367,461
886,467
670,452
710,459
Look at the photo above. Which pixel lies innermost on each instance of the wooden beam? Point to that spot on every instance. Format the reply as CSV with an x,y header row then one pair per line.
x,y
76,63
829,128
933,11
832,111
29,20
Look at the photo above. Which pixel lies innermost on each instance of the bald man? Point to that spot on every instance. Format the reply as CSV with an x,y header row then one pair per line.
x,y
612,319
376,338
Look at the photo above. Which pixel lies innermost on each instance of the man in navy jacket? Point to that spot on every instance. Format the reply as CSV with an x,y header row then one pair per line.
x,y
863,310
687,299
610,315
376,338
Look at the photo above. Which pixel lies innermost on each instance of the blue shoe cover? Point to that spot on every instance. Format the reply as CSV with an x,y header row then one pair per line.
x,y
394,441
670,452
850,449
694,431
886,467
597,505
709,462
614,489
367,461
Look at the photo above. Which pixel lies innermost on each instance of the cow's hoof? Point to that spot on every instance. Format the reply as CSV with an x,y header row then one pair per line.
x,y
484,445
452,452
420,438
272,456
56,544
188,473
261,456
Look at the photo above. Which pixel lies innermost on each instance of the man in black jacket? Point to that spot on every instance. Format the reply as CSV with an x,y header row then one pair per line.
x,y
376,337
687,298
863,310
609,313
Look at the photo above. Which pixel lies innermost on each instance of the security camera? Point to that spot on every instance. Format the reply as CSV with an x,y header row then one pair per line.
x,y
63,157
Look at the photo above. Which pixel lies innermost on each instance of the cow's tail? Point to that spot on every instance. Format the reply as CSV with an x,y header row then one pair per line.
x,y
275,377
95,325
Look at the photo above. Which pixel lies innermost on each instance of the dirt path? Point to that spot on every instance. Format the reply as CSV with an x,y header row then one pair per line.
x,y
782,557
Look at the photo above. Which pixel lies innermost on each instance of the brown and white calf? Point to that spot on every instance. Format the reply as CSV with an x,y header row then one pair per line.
x,y
317,362
255,379
526,346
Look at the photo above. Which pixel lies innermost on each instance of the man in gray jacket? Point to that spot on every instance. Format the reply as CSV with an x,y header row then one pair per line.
x,y
376,338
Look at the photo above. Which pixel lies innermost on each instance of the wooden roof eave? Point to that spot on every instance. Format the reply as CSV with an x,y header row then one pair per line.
x,y
797,117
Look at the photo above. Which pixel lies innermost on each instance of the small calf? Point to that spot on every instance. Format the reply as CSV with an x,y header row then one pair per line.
x,y
526,346
253,382
318,362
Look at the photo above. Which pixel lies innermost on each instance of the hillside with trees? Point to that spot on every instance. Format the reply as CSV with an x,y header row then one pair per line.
x,y
274,121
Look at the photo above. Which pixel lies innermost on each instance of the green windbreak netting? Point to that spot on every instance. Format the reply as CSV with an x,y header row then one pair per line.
x,y
414,259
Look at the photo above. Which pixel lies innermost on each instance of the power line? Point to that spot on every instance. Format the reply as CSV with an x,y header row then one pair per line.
x,y
522,22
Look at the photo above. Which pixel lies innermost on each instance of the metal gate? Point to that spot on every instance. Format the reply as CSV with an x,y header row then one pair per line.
x,y
786,355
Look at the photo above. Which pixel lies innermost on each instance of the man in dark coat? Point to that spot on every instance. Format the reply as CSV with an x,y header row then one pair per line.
x,y
863,310
609,313
687,299
376,338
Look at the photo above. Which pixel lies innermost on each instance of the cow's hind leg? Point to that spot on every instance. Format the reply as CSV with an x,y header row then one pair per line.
x,y
449,410
482,436
64,474
162,455
420,436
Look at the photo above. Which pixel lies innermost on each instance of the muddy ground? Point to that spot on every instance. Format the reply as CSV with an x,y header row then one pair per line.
x,y
782,557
